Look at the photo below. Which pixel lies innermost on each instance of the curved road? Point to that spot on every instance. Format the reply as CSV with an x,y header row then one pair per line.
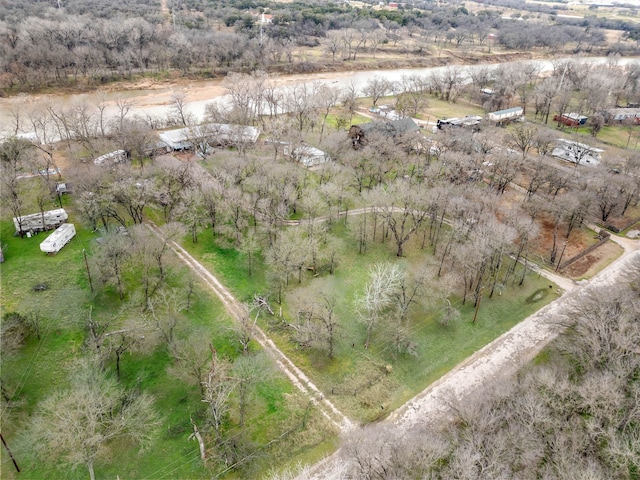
x,y
504,356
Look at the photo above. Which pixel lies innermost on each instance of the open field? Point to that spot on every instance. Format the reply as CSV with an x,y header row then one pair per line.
x,y
42,366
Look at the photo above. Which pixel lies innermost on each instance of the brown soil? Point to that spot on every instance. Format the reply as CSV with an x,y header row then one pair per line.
x,y
593,262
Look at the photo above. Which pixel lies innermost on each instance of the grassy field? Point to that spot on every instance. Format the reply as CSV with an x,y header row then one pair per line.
x,y
366,384
42,366
358,378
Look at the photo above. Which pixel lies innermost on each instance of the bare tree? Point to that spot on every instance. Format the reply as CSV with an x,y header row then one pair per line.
x,y
376,88
13,156
165,313
318,325
327,98
218,387
191,357
74,426
607,193
378,296
112,258
403,209
249,371
333,43
523,137
149,255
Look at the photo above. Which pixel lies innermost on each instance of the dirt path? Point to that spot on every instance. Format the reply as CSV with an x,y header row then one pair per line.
x,y
164,10
236,310
504,356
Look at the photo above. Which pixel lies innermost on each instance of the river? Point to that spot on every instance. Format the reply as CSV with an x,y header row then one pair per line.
x,y
150,101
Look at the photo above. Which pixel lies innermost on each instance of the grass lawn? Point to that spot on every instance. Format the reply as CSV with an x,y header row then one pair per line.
x,y
437,108
362,387
41,366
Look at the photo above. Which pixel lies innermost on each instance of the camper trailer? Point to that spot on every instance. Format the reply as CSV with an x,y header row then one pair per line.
x,y
58,239
41,221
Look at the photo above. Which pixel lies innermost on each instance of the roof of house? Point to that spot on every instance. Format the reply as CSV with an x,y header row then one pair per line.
x,y
393,128
507,110
180,138
583,146
622,113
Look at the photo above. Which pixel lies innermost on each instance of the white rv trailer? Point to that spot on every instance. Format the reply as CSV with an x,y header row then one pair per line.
x,y
58,239
39,222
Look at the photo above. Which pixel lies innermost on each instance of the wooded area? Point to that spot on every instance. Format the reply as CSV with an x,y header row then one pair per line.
x,y
372,256
572,414
75,42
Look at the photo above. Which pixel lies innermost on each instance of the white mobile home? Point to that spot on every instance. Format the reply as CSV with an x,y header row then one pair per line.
x,y
58,239
506,116
111,158
41,221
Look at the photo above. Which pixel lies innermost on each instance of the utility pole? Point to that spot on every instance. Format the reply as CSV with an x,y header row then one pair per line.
x,y
86,264
15,464
475,315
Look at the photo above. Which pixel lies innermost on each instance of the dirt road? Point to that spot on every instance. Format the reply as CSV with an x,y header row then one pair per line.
x,y
502,357
236,310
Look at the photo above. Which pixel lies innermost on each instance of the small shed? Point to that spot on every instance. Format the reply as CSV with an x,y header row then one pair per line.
x,y
58,239
571,119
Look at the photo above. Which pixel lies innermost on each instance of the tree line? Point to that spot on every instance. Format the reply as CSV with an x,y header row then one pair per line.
x,y
443,200
72,44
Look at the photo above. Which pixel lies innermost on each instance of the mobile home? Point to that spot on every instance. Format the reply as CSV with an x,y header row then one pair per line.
x,y
506,116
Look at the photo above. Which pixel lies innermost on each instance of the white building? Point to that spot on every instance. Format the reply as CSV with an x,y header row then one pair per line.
x,y
58,239
507,115
214,133
578,153
307,155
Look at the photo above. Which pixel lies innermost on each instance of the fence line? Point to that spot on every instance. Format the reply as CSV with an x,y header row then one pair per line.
x,y
605,239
